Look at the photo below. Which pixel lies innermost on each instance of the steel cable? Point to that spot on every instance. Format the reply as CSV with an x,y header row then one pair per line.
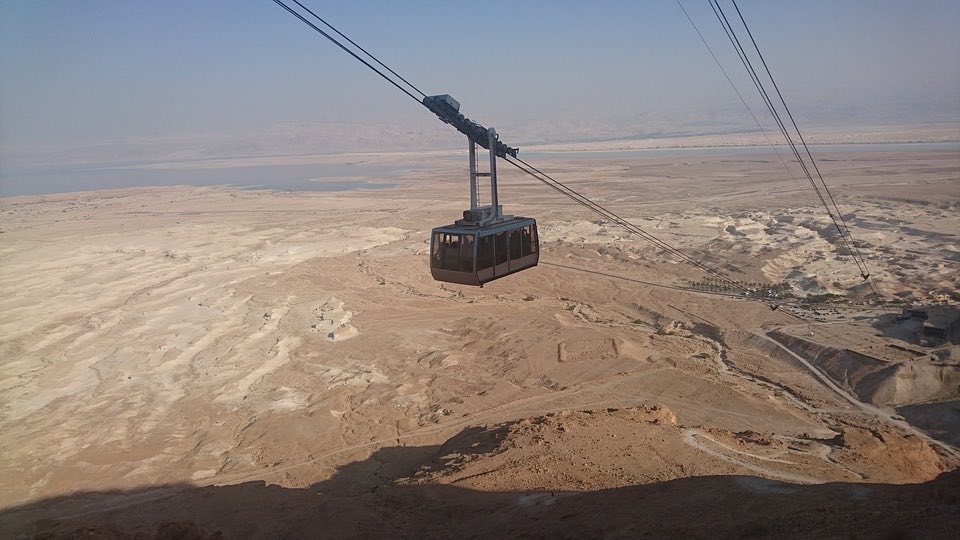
x,y
377,60
348,51
630,227
745,60
747,107
844,231
800,135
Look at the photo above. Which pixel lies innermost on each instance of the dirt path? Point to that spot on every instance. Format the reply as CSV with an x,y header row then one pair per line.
x,y
696,438
871,410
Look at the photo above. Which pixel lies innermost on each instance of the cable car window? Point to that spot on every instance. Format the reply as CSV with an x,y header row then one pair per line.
x,y
466,254
515,244
534,241
501,247
451,252
485,252
525,241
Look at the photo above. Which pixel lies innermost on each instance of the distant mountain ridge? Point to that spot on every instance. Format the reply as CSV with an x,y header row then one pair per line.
x,y
288,138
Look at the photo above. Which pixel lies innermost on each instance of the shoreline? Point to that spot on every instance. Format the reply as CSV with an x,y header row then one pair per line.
x,y
353,171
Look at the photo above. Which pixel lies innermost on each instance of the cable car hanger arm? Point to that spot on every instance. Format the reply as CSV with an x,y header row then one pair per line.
x,y
447,109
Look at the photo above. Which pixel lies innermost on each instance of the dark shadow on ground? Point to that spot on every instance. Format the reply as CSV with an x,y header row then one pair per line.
x,y
940,420
366,499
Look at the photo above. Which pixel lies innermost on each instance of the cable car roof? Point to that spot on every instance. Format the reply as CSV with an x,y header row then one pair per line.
x,y
486,229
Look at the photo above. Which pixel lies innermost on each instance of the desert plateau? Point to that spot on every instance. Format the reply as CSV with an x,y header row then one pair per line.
x,y
431,270
200,361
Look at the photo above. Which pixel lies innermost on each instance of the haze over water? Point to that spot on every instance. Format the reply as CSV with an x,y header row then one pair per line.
x,y
63,179
39,180
103,82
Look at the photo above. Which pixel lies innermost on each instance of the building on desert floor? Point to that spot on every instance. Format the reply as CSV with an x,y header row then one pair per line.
x,y
934,324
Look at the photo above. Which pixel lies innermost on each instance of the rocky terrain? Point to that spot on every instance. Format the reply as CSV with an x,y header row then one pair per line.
x,y
182,362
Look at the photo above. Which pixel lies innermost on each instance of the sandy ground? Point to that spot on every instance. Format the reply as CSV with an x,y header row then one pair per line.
x,y
261,363
823,135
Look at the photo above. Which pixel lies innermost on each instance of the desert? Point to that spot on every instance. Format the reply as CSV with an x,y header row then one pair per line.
x,y
188,361
304,269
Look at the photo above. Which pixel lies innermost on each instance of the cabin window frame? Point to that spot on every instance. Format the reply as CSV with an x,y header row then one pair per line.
x,y
516,243
451,261
501,255
436,248
460,261
468,248
485,252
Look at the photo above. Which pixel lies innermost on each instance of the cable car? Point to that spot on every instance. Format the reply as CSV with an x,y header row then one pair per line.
x,y
486,244
474,255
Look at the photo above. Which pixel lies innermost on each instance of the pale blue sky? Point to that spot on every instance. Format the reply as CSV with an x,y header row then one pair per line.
x,y
83,72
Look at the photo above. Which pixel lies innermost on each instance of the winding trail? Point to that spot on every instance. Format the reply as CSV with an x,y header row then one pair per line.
x,y
871,410
694,438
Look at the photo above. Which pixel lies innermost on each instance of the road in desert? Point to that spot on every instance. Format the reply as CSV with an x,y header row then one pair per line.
x,y
184,361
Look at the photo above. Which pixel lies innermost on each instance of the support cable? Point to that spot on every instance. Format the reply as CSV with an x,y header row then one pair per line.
x,y
844,231
799,134
747,107
744,58
377,60
630,227
341,45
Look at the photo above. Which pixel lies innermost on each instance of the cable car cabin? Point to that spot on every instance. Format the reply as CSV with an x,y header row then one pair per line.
x,y
474,255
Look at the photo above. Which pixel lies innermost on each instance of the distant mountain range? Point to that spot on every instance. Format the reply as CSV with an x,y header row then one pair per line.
x,y
824,124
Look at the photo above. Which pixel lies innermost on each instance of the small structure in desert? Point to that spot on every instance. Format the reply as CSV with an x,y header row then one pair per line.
x,y
935,324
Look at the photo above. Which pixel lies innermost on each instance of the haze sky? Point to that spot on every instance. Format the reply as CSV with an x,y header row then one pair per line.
x,y
81,73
